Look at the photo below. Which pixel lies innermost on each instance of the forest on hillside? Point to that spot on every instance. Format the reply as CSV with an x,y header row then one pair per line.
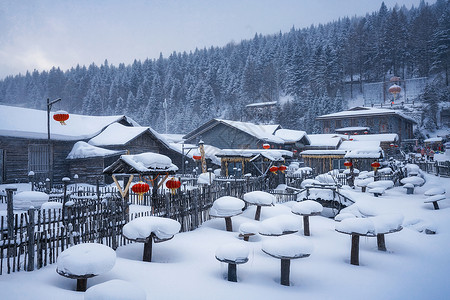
x,y
308,66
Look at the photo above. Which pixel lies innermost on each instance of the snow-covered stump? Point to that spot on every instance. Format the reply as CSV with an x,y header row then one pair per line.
x,y
115,289
227,207
415,180
248,229
378,191
148,229
286,248
232,254
259,199
356,227
434,199
435,195
385,224
306,209
280,225
409,188
84,261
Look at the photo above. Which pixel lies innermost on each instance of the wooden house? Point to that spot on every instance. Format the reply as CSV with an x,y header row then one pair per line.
x,y
370,119
226,134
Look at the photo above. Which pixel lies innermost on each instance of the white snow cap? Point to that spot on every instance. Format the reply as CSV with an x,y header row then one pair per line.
x,y
115,289
51,205
227,206
25,200
237,252
84,259
206,178
84,150
149,161
141,228
307,207
385,184
387,223
280,224
309,182
249,227
435,191
259,198
288,246
343,215
416,180
356,225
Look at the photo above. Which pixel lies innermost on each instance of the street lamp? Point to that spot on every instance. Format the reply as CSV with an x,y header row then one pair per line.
x,y
49,107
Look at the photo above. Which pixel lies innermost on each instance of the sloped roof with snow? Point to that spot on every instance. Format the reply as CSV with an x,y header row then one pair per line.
x,y
325,140
262,132
32,123
292,136
84,150
382,137
190,150
117,134
272,154
353,145
144,164
359,111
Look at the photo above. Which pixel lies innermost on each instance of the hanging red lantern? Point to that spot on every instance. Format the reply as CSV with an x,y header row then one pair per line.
x,y
348,164
392,145
355,133
350,139
197,157
173,185
282,168
266,146
366,132
395,89
396,146
140,188
61,116
273,169
375,165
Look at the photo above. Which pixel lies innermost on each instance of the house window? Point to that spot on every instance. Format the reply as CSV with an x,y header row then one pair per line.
x,y
338,124
384,126
353,122
370,122
38,156
326,126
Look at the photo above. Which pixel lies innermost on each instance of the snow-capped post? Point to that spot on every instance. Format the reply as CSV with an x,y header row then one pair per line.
x,y
31,177
259,199
232,254
306,209
227,207
10,213
351,178
65,181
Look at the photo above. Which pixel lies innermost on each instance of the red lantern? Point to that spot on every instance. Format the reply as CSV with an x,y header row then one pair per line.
x,y
140,188
273,169
197,157
395,89
350,139
396,146
366,132
282,168
375,165
355,133
392,145
348,164
61,116
266,146
173,185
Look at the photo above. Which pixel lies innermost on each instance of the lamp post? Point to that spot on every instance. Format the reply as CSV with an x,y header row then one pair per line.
x,y
50,167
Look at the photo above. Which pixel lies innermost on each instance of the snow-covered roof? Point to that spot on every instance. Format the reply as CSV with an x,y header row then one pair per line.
x,y
323,152
433,139
345,129
291,136
262,132
272,154
364,153
144,163
383,137
173,137
83,150
359,111
117,134
32,123
325,140
261,104
354,145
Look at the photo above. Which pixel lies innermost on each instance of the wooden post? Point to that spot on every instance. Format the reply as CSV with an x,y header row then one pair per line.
x,y
354,255
81,284
228,224
147,256
10,212
306,226
381,243
232,274
30,234
435,204
258,212
285,270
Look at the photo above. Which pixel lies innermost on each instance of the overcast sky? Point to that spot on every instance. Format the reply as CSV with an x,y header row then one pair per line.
x,y
39,34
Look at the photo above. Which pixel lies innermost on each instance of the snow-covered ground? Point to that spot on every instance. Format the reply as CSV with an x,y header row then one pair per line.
x,y
415,266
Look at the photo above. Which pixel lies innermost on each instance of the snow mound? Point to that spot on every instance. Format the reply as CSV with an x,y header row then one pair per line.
x,y
227,206
356,225
25,200
307,207
289,246
141,228
416,180
259,198
206,178
280,224
235,252
115,290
